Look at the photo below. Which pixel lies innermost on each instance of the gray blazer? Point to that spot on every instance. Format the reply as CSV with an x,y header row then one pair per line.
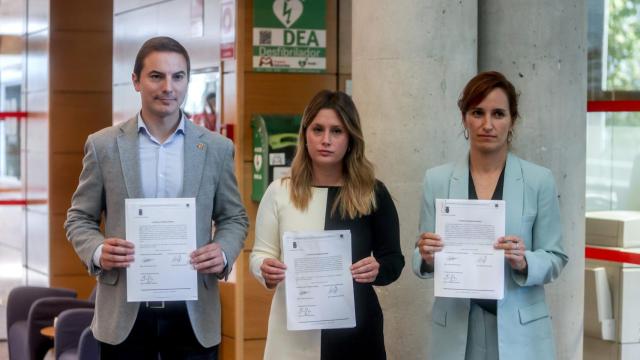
x,y
533,213
110,174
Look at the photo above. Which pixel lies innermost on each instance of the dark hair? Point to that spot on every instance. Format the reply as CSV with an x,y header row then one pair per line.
x,y
159,44
356,197
481,85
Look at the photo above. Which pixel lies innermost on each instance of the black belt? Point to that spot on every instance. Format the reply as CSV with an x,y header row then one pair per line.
x,y
163,305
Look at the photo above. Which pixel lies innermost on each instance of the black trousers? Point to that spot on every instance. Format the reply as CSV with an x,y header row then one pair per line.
x,y
160,333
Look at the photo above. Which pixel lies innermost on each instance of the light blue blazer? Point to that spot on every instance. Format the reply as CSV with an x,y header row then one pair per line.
x,y
533,214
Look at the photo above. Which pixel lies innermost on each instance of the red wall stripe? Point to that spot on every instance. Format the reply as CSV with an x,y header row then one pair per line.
x,y
13,202
620,256
613,106
22,202
13,114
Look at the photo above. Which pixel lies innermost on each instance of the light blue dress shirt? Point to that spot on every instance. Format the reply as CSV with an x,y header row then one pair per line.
x,y
161,167
161,164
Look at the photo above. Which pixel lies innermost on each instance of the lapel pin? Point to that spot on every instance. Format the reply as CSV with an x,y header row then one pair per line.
x,y
200,146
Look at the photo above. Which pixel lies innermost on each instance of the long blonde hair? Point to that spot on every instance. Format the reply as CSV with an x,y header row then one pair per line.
x,y
356,197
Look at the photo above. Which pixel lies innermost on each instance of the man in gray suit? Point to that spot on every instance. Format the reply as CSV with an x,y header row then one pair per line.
x,y
157,154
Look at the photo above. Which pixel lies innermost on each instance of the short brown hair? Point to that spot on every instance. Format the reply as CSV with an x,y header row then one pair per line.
x,y
481,85
159,44
356,197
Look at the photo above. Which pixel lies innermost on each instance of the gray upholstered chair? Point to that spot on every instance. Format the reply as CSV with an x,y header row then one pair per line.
x,y
18,330
74,339
88,348
29,309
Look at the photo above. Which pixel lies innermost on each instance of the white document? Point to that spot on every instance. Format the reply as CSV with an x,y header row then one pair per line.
x,y
164,234
318,282
468,266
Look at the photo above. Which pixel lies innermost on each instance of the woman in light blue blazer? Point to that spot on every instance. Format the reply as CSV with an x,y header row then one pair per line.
x,y
519,325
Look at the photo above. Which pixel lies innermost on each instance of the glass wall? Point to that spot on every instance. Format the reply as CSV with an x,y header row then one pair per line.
x,y
613,121
613,161
10,136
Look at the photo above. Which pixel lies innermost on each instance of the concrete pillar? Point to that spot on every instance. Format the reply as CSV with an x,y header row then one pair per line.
x,y
410,62
540,46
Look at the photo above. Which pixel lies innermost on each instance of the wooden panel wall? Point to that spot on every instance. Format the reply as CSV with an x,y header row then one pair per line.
x,y
79,104
344,43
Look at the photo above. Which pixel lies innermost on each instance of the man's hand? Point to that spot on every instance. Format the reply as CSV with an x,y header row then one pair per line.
x,y
116,253
208,259
272,272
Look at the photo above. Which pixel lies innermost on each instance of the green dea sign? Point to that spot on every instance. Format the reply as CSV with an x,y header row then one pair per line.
x,y
289,35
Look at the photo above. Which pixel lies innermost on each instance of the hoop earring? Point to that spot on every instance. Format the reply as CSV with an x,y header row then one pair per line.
x,y
466,133
510,136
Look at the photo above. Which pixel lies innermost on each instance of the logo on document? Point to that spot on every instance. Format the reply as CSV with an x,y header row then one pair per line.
x,y
444,208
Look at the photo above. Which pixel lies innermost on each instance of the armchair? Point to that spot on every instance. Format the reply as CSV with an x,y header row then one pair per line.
x,y
74,339
29,309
